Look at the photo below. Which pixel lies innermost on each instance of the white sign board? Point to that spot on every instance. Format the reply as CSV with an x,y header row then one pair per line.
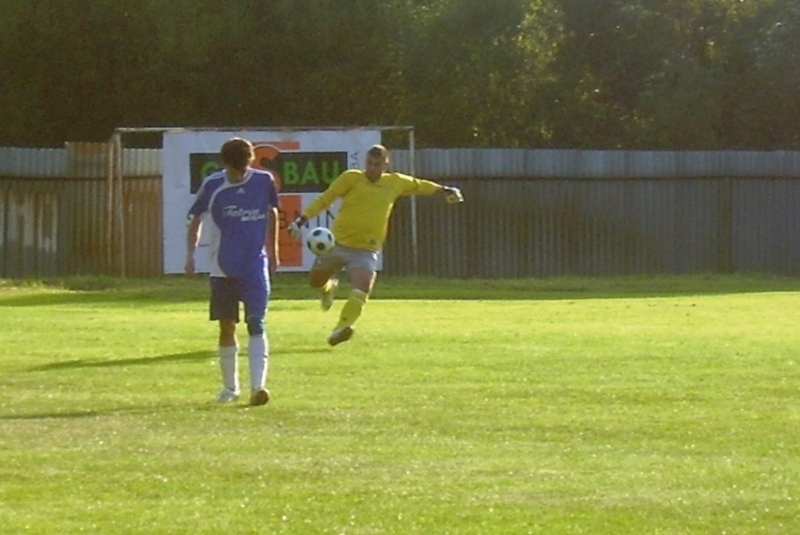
x,y
304,162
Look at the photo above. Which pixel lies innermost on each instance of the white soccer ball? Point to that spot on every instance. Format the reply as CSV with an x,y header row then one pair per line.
x,y
320,240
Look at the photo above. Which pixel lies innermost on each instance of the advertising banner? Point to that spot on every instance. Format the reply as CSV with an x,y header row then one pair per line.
x,y
304,163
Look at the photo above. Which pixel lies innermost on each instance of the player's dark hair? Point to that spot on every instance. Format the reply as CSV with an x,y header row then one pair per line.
x,y
378,151
237,153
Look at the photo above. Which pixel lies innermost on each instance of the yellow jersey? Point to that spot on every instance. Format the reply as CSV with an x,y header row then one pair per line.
x,y
363,218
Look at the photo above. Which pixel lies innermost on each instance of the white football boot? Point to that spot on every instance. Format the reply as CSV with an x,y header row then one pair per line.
x,y
226,395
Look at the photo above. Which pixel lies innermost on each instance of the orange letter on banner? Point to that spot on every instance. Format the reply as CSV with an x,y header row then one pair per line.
x,y
291,250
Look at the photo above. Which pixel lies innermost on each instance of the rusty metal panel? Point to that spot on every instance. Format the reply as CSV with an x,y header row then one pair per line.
x,y
28,230
141,162
86,232
87,160
143,226
59,227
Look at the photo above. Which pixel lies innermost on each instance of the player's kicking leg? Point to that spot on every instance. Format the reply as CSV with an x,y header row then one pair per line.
x,y
362,279
327,294
322,277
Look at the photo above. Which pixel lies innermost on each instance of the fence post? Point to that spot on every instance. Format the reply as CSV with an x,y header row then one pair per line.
x,y
119,205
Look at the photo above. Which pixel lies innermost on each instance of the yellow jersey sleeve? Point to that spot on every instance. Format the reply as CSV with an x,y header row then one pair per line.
x,y
338,188
416,186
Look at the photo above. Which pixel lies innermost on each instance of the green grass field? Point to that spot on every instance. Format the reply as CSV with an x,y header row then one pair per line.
x,y
633,405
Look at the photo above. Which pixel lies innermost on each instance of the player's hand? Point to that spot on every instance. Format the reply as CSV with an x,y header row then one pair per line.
x,y
189,266
453,195
274,261
294,227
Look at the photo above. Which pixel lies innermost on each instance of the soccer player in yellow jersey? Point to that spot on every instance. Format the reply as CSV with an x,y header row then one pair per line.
x,y
360,229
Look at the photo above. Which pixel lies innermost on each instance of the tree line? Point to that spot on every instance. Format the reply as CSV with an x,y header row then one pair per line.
x,y
595,74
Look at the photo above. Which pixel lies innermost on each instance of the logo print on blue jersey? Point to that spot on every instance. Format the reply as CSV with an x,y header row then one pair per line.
x,y
243,214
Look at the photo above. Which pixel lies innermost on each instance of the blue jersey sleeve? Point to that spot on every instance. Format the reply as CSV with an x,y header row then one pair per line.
x,y
203,198
272,196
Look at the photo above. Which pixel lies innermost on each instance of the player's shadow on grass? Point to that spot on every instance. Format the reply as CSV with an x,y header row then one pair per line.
x,y
182,408
192,356
139,409
196,356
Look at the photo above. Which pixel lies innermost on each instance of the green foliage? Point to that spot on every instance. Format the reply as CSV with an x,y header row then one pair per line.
x,y
460,69
695,74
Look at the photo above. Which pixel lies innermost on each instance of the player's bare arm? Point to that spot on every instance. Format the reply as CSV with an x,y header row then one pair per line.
x,y
337,189
271,245
192,237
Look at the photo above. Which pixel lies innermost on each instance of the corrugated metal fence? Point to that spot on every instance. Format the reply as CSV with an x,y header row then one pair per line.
x,y
528,213
59,215
554,212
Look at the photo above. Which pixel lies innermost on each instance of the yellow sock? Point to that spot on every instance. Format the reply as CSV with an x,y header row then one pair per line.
x,y
352,309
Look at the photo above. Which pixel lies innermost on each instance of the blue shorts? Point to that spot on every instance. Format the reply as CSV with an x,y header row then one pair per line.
x,y
227,293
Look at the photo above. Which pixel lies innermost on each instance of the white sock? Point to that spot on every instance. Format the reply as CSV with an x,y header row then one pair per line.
x,y
258,353
228,365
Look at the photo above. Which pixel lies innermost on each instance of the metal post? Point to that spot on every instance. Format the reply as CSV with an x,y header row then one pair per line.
x,y
120,208
111,169
414,243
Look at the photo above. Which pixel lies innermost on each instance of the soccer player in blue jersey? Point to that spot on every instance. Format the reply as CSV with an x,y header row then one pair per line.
x,y
238,207
360,229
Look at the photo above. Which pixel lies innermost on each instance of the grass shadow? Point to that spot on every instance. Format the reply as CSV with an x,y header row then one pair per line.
x,y
192,356
96,413
139,361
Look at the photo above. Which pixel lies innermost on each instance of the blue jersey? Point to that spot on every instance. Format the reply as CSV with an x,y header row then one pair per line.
x,y
236,220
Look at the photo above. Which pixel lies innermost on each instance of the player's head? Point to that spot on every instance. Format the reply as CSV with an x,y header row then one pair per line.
x,y
377,162
237,153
